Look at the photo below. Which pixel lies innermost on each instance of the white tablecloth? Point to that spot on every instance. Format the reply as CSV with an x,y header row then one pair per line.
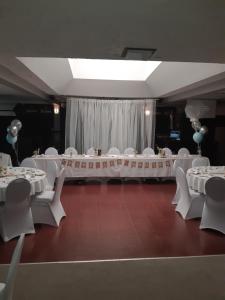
x,y
197,177
114,165
37,178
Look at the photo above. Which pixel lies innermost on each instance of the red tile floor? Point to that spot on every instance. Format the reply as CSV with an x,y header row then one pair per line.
x,y
114,220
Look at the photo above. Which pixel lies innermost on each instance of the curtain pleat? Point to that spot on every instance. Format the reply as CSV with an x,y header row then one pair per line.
x,y
109,123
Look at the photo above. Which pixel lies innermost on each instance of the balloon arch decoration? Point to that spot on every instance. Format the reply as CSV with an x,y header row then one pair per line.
x,y
12,135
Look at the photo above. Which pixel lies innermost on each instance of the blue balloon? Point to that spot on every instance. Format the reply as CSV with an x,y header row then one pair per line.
x,y
11,139
198,137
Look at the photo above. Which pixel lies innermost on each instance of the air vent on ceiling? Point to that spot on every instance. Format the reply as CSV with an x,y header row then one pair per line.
x,y
138,53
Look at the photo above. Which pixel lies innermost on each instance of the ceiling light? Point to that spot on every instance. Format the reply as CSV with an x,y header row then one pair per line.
x,y
56,108
138,53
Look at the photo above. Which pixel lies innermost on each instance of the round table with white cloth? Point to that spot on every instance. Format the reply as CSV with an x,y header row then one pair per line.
x,y
36,177
197,177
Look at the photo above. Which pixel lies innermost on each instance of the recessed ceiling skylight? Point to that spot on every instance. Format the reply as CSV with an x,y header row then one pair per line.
x,y
112,69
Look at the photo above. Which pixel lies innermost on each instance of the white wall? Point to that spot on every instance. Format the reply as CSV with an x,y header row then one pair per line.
x,y
107,88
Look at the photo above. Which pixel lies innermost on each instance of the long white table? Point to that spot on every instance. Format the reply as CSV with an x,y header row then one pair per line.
x,y
197,177
37,179
114,165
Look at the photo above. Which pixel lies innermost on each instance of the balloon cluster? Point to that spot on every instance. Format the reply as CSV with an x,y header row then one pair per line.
x,y
12,131
200,131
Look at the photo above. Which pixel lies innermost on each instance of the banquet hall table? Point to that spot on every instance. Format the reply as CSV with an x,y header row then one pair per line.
x,y
37,179
197,177
114,165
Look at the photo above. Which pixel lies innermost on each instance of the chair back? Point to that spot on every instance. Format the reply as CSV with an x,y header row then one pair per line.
x,y
215,190
28,162
180,163
148,151
70,151
59,185
18,192
51,151
200,162
183,152
129,150
52,170
182,182
11,276
114,151
168,152
91,151
5,160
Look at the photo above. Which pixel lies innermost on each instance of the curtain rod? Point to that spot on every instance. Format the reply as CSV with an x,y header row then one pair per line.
x,y
113,98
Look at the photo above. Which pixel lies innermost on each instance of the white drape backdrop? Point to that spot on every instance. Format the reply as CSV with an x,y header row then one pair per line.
x,y
102,123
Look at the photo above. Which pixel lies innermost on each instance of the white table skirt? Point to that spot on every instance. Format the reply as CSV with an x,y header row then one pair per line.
x,y
114,166
197,177
37,178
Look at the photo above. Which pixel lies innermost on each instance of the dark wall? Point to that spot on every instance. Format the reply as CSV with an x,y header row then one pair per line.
x,y
40,129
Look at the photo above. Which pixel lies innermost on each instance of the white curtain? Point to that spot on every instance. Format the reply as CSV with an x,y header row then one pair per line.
x,y
102,124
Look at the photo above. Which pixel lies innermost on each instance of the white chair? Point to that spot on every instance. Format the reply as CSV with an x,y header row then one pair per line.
x,y
51,151
114,151
6,288
190,203
183,152
70,151
91,151
200,162
182,164
5,160
46,207
148,151
213,214
129,151
28,162
168,152
51,174
15,213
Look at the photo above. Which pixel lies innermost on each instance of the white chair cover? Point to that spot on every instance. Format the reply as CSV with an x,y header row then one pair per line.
x,y
47,207
114,151
70,151
15,214
6,288
148,151
168,152
51,174
190,204
28,162
200,162
5,160
129,151
213,215
51,151
91,151
183,152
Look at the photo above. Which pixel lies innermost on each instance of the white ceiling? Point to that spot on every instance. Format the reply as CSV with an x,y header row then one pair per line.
x,y
180,31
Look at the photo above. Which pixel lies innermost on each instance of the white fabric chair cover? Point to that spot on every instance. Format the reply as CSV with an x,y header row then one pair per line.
x,y
6,288
5,160
51,174
168,152
47,207
51,151
28,162
70,151
213,215
183,152
15,214
200,162
129,151
91,151
190,203
148,151
114,151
